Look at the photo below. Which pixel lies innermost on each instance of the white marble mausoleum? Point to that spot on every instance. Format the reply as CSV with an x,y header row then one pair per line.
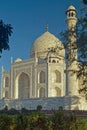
x,y
44,79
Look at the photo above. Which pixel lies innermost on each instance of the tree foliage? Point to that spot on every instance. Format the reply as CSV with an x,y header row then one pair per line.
x,y
5,33
6,122
82,49
21,122
84,1
38,121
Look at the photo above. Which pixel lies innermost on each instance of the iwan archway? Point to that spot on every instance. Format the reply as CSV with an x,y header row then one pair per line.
x,y
22,87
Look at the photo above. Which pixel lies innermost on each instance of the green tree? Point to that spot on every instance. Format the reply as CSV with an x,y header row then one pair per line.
x,y
5,33
39,107
38,121
62,121
82,48
84,1
59,121
21,122
6,122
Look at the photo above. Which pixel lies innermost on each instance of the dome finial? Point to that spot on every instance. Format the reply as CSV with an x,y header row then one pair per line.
x,y
47,27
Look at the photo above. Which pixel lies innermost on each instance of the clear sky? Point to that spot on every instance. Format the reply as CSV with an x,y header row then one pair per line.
x,y
28,19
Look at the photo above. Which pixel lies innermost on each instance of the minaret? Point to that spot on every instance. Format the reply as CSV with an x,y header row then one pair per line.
x,y
72,81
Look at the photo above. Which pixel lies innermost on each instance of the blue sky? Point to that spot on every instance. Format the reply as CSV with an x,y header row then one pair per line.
x,y
28,19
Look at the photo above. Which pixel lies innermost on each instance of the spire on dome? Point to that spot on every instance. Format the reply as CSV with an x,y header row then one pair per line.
x,y
47,27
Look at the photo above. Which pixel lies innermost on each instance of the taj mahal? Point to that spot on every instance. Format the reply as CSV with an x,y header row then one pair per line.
x,y
45,79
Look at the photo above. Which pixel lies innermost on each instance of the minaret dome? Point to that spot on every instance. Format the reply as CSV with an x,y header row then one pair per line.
x,y
71,17
71,11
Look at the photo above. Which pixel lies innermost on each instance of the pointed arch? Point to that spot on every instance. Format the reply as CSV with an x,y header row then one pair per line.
x,y
6,94
42,77
56,76
56,92
42,92
6,82
23,86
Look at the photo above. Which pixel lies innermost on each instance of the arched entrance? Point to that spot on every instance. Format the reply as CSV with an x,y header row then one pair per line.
x,y
23,86
41,92
42,77
56,92
56,76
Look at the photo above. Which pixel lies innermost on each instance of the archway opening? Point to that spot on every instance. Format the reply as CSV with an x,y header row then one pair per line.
x,y
42,77
41,93
56,92
23,86
56,76
6,82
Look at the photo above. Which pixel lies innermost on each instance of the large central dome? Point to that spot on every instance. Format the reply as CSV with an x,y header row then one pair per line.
x,y
43,43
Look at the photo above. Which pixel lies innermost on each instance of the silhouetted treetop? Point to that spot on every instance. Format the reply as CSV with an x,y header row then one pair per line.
x,y
5,33
84,1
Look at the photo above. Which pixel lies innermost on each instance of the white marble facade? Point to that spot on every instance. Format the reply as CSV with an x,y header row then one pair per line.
x,y
40,76
45,74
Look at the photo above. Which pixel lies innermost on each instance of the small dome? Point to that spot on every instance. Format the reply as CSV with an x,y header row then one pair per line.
x,y
18,60
71,7
43,43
